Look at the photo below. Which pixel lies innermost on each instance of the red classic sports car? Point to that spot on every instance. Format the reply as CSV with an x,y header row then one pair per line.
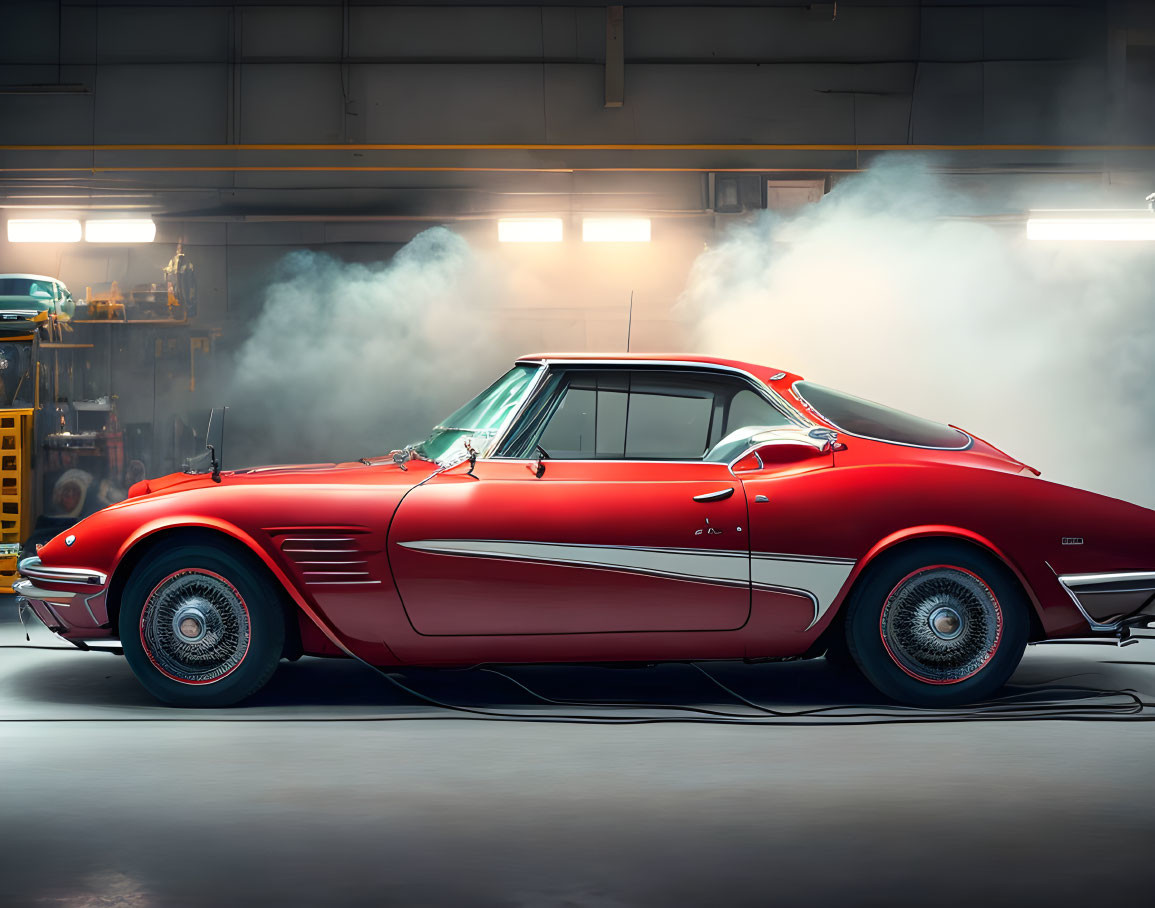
x,y
602,509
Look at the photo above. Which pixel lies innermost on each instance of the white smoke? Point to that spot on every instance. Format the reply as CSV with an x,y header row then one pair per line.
x,y
886,289
349,359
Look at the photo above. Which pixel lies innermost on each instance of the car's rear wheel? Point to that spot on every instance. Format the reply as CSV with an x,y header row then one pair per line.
x,y
200,626
938,625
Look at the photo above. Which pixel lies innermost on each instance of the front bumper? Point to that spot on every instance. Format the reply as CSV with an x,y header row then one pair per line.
x,y
38,632
69,602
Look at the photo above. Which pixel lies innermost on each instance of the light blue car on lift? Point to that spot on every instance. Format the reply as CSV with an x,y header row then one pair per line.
x,y
32,293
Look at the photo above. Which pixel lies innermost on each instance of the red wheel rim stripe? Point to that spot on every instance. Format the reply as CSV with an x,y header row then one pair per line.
x,y
240,599
998,631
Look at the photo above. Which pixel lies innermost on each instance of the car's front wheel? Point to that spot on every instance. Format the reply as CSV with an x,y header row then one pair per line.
x,y
939,624
200,626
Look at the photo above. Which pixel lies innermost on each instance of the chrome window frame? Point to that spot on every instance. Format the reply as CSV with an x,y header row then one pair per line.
x,y
775,400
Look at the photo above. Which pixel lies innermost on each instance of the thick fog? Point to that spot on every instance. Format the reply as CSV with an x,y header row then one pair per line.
x,y
348,360
896,287
890,290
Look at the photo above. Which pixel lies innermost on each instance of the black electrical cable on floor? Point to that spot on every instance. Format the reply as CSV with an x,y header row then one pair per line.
x,y
1002,705
1134,712
1049,714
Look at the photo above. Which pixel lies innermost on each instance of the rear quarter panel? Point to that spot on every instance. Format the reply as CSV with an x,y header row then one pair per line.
x,y
860,511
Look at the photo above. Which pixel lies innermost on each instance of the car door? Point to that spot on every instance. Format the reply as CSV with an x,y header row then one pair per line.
x,y
626,529
796,567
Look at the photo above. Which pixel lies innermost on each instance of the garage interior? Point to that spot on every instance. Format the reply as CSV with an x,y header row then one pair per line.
x,y
342,219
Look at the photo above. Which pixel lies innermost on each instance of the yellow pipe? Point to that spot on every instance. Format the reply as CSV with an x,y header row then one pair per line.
x,y
587,147
418,169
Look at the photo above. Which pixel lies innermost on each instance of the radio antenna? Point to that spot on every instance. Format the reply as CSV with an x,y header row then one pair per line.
x,y
630,321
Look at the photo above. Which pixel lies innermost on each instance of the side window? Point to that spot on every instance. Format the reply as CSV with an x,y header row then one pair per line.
x,y
588,421
748,408
644,414
571,433
667,420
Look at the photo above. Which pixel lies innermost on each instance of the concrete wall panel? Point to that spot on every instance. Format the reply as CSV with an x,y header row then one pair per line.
x,y
313,90
166,103
138,34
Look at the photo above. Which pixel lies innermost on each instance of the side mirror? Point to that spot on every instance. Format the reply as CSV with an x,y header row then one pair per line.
x,y
781,447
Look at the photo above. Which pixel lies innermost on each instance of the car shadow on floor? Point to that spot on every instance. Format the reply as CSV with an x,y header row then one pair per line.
x,y
102,680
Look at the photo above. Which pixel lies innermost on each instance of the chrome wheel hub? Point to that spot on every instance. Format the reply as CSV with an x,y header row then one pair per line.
x,y
941,624
195,627
946,623
189,623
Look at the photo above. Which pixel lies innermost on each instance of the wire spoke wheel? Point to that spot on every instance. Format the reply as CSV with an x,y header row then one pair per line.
x,y
195,626
941,624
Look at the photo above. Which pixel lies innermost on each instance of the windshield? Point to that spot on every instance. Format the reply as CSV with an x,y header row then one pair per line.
x,y
481,420
870,420
40,291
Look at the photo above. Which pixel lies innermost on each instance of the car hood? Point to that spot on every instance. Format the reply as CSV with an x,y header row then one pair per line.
x,y
30,303
288,474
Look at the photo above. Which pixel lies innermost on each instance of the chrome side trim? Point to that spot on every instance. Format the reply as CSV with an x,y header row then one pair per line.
x,y
32,568
322,551
1091,622
821,578
342,582
317,539
1138,582
1143,580
328,563
726,568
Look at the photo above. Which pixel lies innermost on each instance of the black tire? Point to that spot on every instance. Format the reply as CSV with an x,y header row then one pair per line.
x,y
838,655
898,615
212,591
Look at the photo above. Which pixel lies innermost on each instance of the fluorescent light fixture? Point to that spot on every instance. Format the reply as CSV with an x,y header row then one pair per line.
x,y
120,230
529,230
616,230
1095,229
43,230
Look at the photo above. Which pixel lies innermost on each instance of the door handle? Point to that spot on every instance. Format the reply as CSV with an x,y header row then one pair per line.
x,y
720,495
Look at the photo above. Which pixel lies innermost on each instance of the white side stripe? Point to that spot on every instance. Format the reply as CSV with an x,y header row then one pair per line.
x,y
818,577
727,568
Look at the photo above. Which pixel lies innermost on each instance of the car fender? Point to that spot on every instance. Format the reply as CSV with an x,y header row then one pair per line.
x,y
937,531
199,521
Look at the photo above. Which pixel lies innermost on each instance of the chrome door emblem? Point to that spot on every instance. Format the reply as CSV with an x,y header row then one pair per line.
x,y
69,539
708,530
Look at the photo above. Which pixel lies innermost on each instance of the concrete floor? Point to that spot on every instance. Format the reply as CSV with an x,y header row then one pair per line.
x,y
304,797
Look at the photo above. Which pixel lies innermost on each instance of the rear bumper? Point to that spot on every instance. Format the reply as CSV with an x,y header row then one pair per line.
x,y
1109,601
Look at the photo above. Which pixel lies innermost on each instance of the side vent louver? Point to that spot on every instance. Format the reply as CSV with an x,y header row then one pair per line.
x,y
329,559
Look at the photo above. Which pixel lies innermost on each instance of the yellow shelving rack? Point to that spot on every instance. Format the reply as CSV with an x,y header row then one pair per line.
x,y
15,490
